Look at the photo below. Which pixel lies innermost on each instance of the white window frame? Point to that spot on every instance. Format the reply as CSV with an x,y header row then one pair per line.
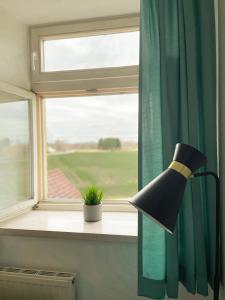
x,y
27,204
115,80
101,80
44,202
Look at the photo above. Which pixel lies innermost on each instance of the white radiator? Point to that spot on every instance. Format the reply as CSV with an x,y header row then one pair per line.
x,y
27,284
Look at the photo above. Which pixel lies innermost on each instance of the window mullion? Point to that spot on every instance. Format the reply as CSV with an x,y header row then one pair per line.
x,y
41,149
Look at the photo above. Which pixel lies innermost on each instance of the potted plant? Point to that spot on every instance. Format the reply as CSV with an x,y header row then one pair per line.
x,y
92,204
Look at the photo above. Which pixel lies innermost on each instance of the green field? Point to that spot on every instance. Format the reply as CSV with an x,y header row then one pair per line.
x,y
113,171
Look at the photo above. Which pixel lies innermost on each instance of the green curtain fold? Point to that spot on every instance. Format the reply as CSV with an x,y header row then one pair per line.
x,y
177,104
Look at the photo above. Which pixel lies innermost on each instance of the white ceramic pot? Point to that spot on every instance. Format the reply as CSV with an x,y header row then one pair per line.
x,y
92,213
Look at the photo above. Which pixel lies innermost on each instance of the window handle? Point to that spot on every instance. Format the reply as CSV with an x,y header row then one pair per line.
x,y
34,60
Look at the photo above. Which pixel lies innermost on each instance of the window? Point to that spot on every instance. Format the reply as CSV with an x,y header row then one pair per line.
x,y
92,141
16,152
100,55
86,76
100,51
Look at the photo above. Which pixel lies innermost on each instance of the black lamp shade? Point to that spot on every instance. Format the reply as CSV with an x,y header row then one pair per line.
x,y
161,198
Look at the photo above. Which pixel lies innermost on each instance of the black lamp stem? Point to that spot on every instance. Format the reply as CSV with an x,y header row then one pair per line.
x,y
218,242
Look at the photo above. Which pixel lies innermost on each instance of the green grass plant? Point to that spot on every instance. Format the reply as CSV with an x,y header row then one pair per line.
x,y
92,196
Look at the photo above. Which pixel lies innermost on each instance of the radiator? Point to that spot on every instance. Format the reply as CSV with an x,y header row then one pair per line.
x,y
27,284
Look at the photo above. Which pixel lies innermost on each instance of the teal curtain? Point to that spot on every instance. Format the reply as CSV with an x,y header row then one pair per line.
x,y
177,104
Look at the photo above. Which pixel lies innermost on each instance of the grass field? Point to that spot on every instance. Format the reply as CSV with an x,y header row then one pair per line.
x,y
115,172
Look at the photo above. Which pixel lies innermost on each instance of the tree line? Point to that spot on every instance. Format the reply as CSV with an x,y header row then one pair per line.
x,y
109,144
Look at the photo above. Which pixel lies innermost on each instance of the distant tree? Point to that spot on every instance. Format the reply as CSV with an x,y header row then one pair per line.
x,y
60,146
101,144
109,144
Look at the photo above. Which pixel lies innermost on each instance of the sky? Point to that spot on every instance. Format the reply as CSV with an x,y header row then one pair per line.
x,y
81,119
112,50
86,119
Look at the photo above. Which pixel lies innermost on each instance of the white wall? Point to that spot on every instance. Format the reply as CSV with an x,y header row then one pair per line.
x,y
14,51
105,270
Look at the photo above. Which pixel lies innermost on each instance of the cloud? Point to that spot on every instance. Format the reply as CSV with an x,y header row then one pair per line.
x,y
111,50
80,119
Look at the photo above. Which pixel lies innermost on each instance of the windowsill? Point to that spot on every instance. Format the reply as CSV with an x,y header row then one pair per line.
x,y
114,226
107,206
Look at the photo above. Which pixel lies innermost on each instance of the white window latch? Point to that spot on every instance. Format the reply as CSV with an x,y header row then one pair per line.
x,y
34,60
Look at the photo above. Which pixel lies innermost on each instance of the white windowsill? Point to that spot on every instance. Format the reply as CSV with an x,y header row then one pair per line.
x,y
107,206
114,226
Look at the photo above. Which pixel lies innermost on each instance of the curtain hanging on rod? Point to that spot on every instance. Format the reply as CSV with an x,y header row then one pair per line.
x,y
177,104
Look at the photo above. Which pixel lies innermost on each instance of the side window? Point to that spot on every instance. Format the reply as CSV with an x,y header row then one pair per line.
x,y
16,152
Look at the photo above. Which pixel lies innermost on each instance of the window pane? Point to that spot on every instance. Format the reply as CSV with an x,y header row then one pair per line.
x,y
111,50
15,150
92,141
